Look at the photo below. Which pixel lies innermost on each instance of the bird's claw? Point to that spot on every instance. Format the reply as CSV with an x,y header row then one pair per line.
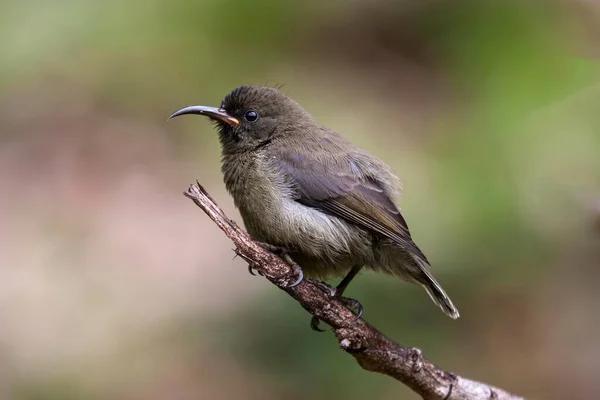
x,y
252,268
314,324
285,257
298,270
353,304
295,268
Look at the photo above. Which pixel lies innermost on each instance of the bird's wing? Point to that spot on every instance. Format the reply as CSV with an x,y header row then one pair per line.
x,y
343,190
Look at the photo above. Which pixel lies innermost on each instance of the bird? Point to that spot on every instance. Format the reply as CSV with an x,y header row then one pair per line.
x,y
308,192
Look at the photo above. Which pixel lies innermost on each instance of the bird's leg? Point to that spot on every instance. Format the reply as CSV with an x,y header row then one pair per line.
x,y
285,257
352,304
341,288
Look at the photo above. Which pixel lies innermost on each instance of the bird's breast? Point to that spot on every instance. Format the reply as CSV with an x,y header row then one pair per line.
x,y
265,199
257,191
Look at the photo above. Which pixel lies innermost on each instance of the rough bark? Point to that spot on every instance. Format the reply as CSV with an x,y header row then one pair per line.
x,y
372,350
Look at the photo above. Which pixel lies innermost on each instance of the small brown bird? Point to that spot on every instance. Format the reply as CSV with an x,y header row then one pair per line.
x,y
303,188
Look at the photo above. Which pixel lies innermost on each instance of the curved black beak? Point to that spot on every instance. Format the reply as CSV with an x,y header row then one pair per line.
x,y
211,112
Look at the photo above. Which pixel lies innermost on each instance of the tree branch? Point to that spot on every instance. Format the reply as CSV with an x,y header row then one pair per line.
x,y
372,350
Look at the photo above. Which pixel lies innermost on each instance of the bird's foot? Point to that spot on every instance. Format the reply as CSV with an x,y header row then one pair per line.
x,y
353,304
272,248
314,324
296,269
252,268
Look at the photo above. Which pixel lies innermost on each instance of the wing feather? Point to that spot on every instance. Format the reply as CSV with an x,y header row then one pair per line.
x,y
345,190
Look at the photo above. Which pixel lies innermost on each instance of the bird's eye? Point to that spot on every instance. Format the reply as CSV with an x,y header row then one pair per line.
x,y
251,116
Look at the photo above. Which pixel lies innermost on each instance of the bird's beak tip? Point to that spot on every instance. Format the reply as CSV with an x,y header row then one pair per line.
x,y
211,112
179,112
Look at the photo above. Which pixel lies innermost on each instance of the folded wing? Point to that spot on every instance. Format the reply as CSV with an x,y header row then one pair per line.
x,y
341,188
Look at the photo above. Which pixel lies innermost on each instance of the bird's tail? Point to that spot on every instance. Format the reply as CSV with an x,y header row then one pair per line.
x,y
437,294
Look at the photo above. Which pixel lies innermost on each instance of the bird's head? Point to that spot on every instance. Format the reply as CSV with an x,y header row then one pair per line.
x,y
252,116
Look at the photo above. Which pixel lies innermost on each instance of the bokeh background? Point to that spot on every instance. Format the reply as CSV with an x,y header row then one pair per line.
x,y
115,286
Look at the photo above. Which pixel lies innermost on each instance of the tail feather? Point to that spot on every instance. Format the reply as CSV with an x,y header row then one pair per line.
x,y
437,294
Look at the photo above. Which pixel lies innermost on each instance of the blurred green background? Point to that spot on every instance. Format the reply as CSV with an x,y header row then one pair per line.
x,y
113,285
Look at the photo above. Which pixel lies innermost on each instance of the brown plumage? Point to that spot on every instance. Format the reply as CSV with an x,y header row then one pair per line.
x,y
304,188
